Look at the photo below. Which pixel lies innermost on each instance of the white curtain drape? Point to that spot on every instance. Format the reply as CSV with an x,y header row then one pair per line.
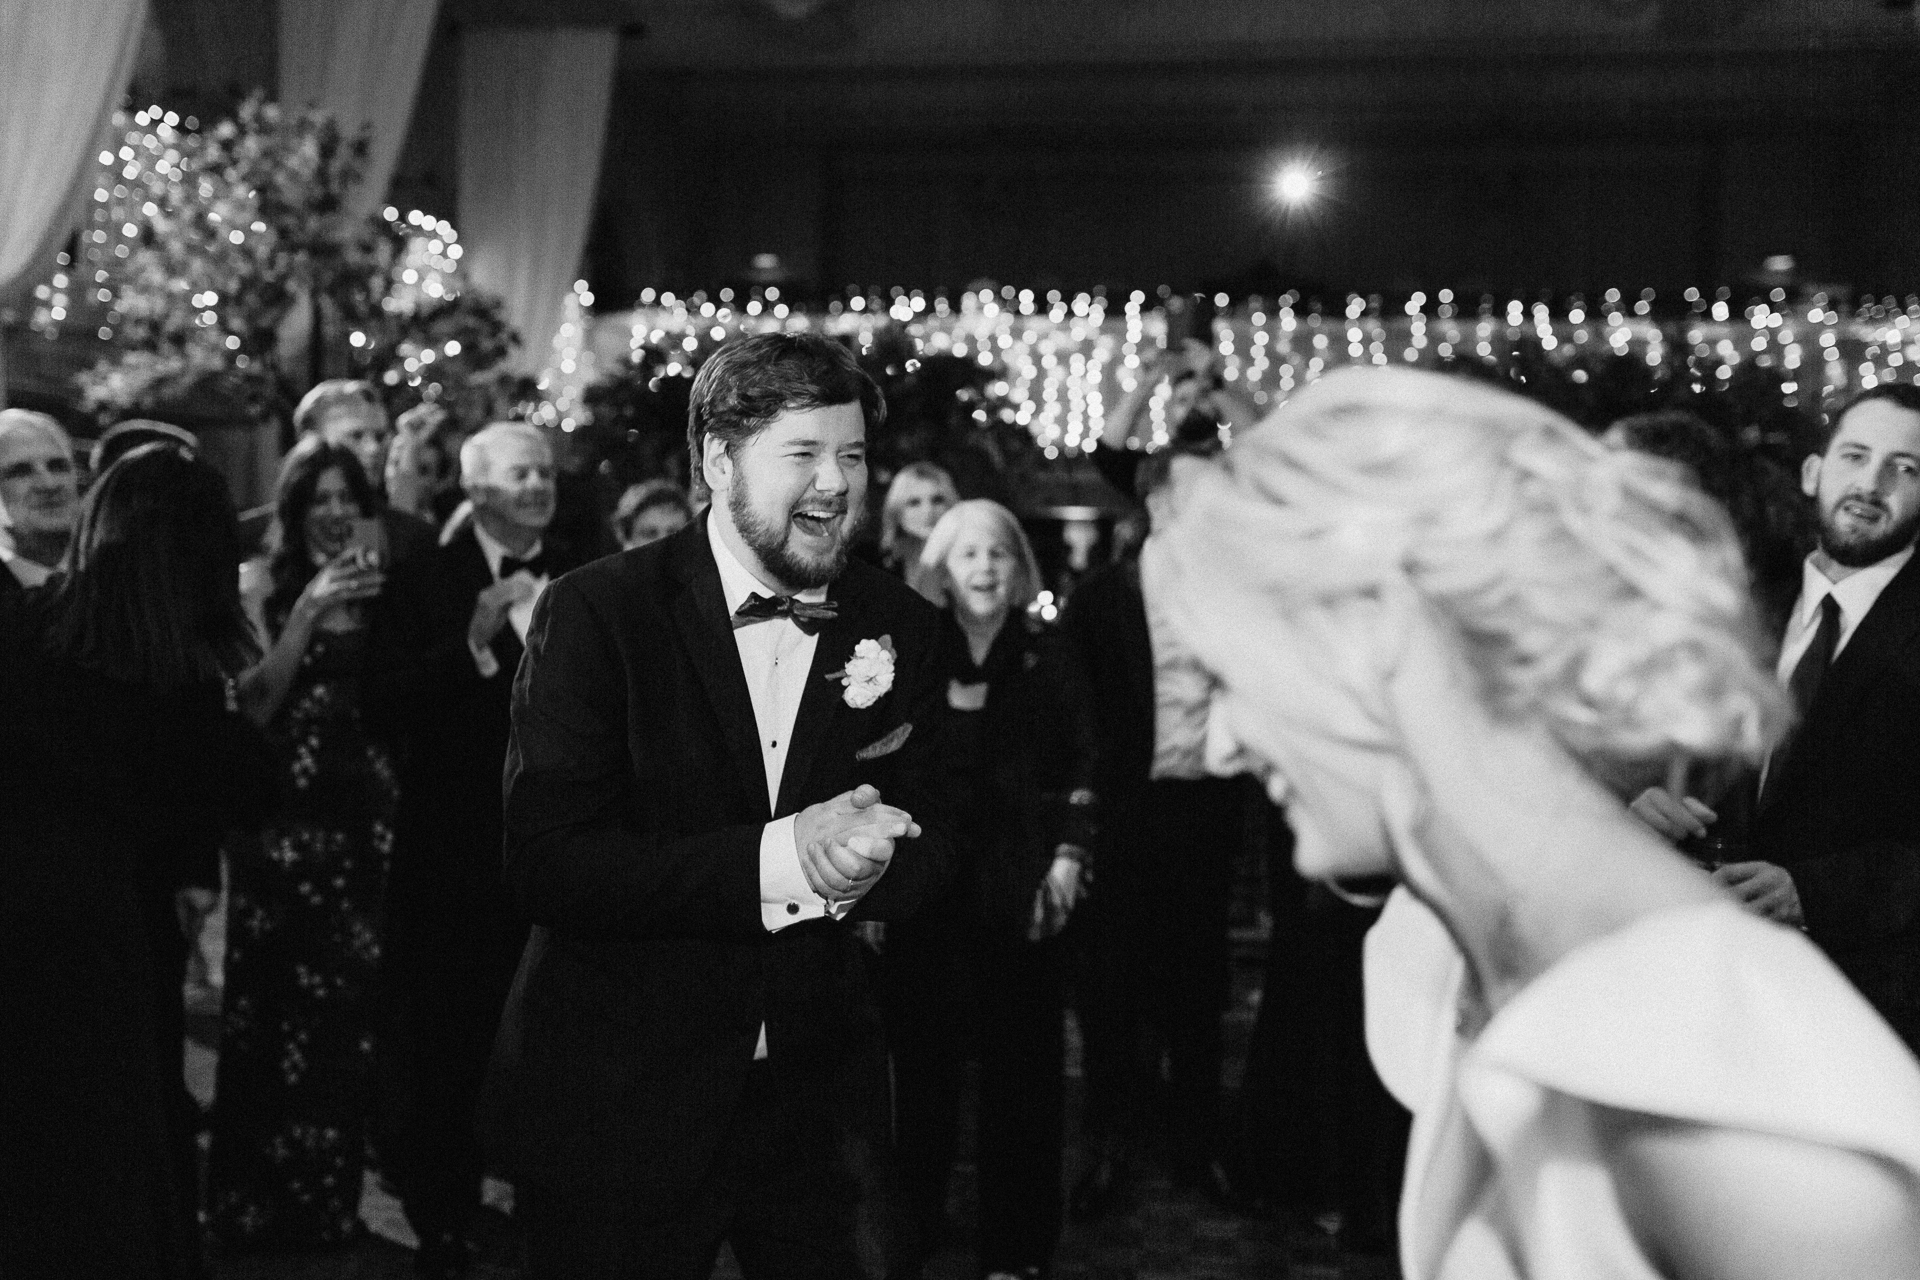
x,y
360,60
63,67
533,121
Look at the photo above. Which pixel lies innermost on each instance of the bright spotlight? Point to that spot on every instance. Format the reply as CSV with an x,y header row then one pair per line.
x,y
1296,184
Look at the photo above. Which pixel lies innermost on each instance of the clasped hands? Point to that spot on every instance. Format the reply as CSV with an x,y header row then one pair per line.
x,y
493,606
1763,888
846,843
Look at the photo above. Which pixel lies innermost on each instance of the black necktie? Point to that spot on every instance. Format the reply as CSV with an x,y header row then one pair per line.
x,y
535,564
808,615
1804,683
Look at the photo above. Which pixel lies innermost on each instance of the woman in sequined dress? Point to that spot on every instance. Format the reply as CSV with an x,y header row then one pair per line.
x,y
294,1092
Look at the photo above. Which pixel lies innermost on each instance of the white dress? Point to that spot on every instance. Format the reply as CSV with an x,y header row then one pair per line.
x,y
1701,1013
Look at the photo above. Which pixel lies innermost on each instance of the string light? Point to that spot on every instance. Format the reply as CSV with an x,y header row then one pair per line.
x,y
1061,363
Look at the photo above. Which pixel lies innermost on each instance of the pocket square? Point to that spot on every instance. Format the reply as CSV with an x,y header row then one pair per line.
x,y
885,746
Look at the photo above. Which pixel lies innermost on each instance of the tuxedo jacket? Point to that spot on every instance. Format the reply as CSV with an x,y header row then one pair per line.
x,y
1843,812
447,901
635,802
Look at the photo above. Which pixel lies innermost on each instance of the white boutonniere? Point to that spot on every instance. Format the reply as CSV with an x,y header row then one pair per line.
x,y
868,673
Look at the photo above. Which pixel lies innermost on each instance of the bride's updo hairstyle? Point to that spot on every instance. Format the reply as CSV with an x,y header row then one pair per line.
x,y
1594,592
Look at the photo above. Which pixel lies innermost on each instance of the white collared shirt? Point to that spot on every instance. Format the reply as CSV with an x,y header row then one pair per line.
x,y
520,616
775,657
29,572
1855,594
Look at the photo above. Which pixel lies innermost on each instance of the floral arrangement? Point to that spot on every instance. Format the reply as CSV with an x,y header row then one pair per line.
x,y
238,275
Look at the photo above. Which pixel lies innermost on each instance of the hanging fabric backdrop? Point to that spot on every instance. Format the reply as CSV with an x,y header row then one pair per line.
x,y
359,60
63,68
533,113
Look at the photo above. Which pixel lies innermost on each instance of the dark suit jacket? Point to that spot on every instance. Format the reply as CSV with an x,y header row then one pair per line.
x,y
1843,813
635,803
447,903
1026,755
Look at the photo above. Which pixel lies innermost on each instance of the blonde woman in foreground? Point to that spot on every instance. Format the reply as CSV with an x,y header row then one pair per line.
x,y
1452,632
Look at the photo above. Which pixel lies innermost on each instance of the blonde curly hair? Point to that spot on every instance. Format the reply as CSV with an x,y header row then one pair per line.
x,y
1591,591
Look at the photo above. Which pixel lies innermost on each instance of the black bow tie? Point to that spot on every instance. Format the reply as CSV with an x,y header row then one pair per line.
x,y
535,564
808,615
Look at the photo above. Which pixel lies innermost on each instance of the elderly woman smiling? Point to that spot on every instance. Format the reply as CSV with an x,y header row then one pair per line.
x,y
1451,632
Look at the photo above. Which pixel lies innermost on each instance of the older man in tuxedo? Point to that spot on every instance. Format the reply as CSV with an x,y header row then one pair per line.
x,y
454,623
1827,838
727,747
39,496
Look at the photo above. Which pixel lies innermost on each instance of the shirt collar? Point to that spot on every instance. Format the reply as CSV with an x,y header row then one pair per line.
x,y
1855,593
737,582
495,551
31,573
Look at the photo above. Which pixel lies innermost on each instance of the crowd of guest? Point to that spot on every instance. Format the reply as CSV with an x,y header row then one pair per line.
x,y
301,716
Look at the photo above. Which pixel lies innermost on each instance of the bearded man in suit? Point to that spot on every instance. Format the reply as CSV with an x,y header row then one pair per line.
x,y
453,631
1827,838
703,731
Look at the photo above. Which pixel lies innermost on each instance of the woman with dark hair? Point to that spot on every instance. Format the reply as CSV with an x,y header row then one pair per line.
x,y
292,1103
124,763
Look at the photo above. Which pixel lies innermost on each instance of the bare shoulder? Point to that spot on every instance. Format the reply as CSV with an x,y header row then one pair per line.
x,y
1716,1204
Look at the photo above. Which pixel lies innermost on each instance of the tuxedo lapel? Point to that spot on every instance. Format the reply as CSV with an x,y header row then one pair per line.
x,y
822,699
1888,628
700,616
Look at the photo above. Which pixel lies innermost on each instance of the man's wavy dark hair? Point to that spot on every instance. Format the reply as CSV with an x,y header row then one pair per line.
x,y
1904,394
749,382
152,590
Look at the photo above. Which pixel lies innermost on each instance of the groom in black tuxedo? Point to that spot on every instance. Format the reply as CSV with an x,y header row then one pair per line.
x,y
726,747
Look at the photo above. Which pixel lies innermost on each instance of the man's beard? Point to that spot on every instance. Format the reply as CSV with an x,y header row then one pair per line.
x,y
1857,551
769,542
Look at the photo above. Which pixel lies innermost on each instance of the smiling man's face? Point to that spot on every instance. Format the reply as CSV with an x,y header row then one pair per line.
x,y
1867,484
38,486
796,492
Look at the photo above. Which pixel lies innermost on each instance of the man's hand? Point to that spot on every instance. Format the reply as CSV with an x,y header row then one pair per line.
x,y
1676,818
1764,889
493,604
406,488
1054,901
193,904
846,843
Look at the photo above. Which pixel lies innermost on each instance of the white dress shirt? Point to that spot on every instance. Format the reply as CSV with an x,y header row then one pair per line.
x,y
520,616
775,657
1855,595
29,572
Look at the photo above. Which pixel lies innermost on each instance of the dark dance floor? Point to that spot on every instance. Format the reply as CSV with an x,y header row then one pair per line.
x,y
1166,1233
